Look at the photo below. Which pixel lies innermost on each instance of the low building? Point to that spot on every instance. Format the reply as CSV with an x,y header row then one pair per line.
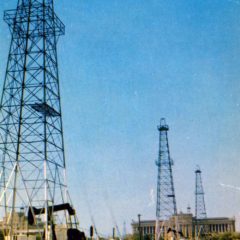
x,y
23,231
186,226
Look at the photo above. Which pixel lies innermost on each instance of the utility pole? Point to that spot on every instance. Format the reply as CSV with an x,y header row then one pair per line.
x,y
113,233
189,209
139,227
124,230
91,230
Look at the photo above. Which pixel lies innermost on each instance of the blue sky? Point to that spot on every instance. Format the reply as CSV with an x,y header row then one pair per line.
x,y
124,65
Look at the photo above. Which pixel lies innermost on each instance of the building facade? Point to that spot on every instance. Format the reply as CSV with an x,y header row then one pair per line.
x,y
24,231
186,226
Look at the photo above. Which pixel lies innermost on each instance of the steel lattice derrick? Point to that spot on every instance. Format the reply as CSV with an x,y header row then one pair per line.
x,y
200,209
166,201
33,163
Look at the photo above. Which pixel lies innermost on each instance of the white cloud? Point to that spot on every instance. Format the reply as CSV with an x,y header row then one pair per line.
x,y
229,186
152,198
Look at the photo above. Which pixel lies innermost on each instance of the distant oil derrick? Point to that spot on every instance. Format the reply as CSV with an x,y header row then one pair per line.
x,y
166,201
200,209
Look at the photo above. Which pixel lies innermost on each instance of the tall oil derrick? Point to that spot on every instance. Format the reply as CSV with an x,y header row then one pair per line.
x,y
166,201
200,209
32,176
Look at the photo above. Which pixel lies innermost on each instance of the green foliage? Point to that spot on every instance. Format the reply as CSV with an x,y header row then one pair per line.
x,y
132,237
224,236
147,237
38,237
136,237
102,238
